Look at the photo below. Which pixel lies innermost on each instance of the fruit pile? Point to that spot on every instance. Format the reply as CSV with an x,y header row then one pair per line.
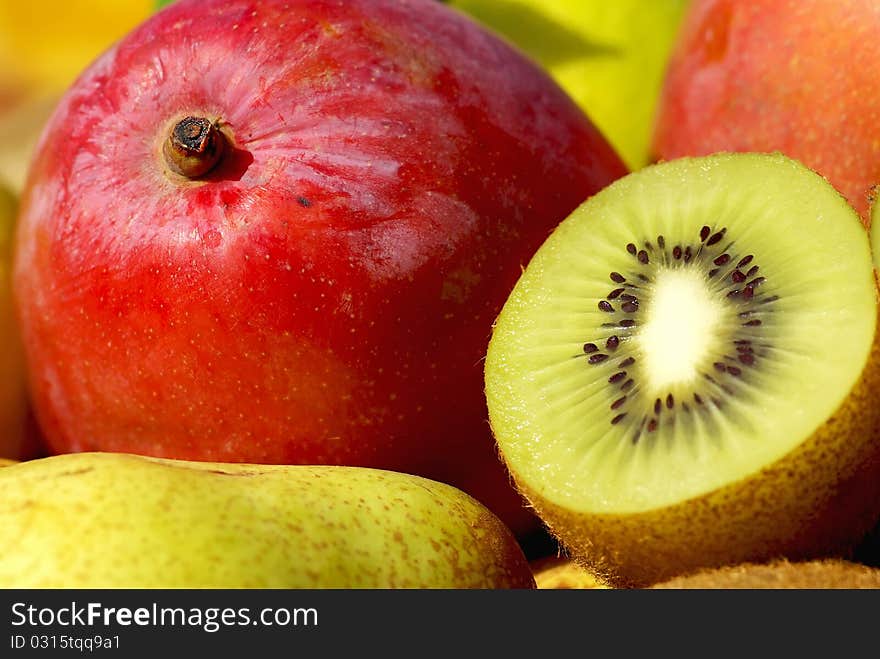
x,y
475,294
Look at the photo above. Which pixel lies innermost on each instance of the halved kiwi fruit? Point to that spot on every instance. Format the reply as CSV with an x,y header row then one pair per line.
x,y
686,373
782,574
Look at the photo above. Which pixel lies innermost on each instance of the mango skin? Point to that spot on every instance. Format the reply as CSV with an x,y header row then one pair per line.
x,y
777,75
325,295
112,520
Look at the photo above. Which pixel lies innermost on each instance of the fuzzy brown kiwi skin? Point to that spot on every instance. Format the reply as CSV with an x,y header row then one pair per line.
x,y
831,573
817,501
562,573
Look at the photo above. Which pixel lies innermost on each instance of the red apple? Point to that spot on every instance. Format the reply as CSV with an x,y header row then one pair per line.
x,y
325,293
795,76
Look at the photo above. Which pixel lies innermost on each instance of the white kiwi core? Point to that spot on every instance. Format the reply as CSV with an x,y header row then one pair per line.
x,y
681,324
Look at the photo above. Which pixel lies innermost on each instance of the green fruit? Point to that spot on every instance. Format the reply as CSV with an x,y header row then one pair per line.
x,y
820,574
686,374
609,56
152,523
13,394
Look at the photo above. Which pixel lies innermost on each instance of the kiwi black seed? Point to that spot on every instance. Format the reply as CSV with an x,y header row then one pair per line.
x,y
686,374
744,348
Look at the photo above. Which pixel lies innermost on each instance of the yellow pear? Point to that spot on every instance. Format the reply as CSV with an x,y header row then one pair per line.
x,y
156,523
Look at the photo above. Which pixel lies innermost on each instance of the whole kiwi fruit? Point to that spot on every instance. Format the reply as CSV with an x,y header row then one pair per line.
x,y
780,574
562,573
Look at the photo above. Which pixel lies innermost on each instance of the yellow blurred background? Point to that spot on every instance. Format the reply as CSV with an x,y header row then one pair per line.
x,y
44,45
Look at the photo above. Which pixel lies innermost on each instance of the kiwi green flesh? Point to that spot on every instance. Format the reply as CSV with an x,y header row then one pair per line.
x,y
719,380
